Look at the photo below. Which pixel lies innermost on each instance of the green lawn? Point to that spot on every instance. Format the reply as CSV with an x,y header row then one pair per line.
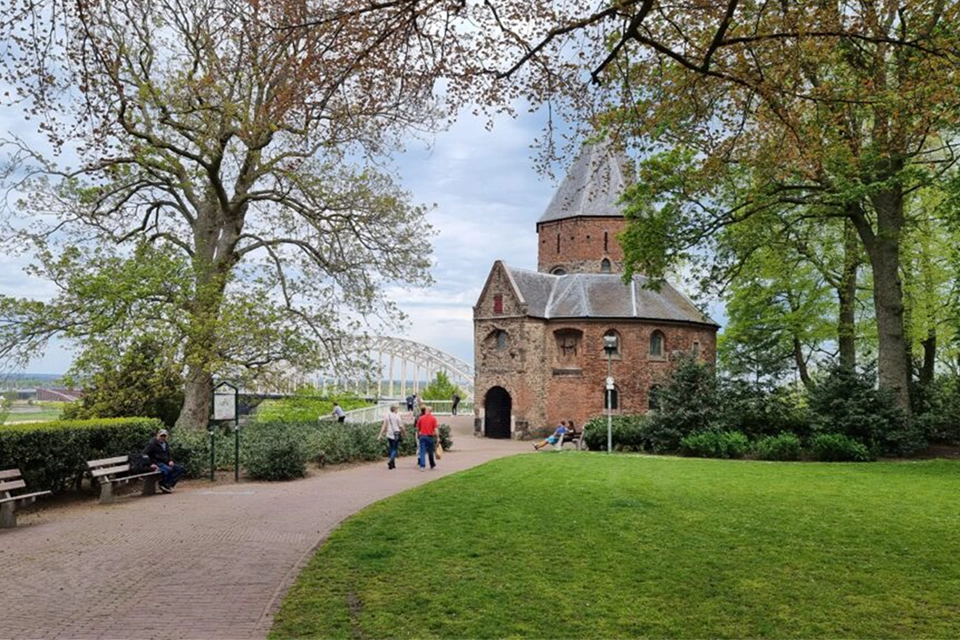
x,y
587,545
44,415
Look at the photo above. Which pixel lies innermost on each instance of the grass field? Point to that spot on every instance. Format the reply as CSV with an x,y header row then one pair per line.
x,y
44,415
587,545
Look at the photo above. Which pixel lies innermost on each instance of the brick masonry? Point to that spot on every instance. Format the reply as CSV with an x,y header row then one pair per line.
x,y
522,354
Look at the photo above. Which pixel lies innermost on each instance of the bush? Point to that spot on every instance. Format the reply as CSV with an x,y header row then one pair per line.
x,y
846,402
53,455
759,411
937,413
785,446
630,433
716,444
279,453
688,404
835,447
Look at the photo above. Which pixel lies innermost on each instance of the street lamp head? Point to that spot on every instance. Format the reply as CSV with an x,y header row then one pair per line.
x,y
610,344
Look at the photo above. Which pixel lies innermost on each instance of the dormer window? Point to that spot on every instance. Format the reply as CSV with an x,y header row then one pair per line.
x,y
605,266
558,271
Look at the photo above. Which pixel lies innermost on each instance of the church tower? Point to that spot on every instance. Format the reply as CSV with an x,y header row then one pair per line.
x,y
578,231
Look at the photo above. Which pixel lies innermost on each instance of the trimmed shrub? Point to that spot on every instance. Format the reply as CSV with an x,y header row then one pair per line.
x,y
835,447
715,444
276,454
630,433
785,446
53,455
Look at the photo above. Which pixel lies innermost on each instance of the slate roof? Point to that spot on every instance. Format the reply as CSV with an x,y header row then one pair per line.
x,y
601,295
592,186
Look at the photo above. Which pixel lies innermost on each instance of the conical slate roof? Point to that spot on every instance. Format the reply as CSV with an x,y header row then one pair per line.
x,y
592,186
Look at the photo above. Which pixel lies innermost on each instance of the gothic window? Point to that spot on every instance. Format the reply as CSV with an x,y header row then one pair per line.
x,y
656,345
498,304
568,345
604,266
501,340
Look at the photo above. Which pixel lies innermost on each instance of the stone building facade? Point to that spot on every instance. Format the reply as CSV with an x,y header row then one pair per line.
x,y
539,335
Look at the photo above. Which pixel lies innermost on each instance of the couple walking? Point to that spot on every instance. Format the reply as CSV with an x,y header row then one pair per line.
x,y
427,436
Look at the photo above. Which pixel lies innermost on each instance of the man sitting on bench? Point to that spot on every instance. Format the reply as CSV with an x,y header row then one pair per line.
x,y
159,453
553,438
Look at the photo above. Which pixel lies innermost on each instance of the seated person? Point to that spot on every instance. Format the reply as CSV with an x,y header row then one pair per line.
x,y
553,438
159,453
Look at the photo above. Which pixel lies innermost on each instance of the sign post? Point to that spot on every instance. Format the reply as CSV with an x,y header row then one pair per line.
x,y
225,409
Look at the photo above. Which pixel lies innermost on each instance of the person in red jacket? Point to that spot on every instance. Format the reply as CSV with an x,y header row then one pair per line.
x,y
427,436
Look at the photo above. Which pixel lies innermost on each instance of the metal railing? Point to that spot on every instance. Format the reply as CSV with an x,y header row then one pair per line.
x,y
374,413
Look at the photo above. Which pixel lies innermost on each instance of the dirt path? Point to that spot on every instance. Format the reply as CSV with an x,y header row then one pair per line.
x,y
210,561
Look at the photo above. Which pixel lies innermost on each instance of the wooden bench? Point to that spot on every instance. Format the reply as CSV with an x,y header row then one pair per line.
x,y
116,471
10,481
574,436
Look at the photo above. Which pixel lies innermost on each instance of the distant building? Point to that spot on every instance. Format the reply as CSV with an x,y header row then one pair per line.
x,y
539,335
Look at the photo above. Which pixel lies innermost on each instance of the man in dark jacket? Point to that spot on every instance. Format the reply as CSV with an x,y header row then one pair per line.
x,y
159,453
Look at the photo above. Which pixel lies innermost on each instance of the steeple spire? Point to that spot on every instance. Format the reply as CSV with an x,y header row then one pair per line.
x,y
592,186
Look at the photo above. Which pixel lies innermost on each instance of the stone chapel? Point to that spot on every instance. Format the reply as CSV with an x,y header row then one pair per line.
x,y
539,335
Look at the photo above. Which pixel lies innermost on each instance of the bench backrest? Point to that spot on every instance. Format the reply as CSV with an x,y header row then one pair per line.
x,y
10,480
108,466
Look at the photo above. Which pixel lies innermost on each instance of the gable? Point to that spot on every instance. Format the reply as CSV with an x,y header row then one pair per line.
x,y
500,296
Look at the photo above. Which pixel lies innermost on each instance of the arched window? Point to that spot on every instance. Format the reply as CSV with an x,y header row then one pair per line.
x,y
604,266
696,350
657,346
613,395
558,271
653,398
502,338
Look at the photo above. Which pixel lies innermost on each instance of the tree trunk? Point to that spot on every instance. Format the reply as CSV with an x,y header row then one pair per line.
x,y
847,297
929,357
197,396
883,249
801,364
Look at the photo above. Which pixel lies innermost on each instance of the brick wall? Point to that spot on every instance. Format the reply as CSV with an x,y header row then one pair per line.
x,y
583,244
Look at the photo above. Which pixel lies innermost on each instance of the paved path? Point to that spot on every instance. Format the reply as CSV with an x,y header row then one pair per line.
x,y
210,561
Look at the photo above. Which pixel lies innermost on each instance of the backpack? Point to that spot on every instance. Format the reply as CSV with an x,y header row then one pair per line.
x,y
138,462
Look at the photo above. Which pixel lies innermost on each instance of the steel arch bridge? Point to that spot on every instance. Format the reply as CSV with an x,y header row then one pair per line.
x,y
405,366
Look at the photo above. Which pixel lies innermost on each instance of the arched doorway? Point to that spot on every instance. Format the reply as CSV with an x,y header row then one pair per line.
x,y
496,408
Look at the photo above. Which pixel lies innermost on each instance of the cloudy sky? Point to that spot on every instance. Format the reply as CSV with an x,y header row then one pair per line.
x,y
488,199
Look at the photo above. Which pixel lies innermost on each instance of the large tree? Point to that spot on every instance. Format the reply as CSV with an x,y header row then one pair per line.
x,y
841,107
237,145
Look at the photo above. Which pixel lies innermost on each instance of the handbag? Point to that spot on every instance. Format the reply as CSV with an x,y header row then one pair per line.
x,y
439,452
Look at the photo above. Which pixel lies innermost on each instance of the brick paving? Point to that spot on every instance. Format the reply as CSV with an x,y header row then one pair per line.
x,y
213,560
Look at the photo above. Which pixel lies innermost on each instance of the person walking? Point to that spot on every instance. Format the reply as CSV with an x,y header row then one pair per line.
x,y
392,429
158,451
338,412
427,438
456,403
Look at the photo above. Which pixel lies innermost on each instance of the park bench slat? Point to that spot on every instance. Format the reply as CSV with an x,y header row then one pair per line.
x,y
107,461
9,473
107,471
25,496
11,485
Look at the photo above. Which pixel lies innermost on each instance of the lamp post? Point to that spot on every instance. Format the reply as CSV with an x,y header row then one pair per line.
x,y
610,346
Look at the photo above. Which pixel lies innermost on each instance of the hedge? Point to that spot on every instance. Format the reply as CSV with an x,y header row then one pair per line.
x,y
53,455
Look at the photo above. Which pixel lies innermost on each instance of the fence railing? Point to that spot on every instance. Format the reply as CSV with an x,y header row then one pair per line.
x,y
374,413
